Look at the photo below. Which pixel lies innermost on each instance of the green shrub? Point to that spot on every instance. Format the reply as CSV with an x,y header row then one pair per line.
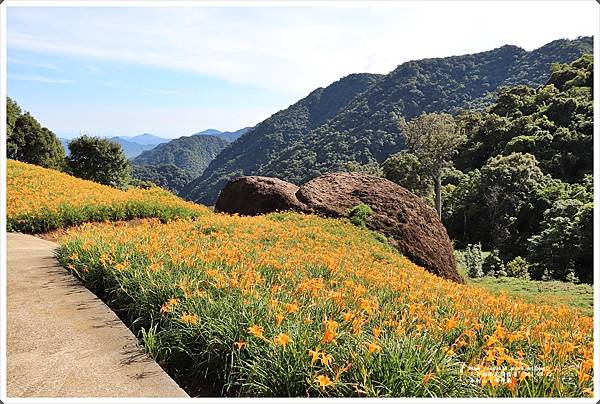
x,y
493,265
571,277
518,268
359,214
473,260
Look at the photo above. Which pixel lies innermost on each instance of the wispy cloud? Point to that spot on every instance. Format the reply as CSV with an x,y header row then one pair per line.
x,y
39,79
292,49
42,65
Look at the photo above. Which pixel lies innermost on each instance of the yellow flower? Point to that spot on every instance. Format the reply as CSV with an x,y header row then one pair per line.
x,y
450,324
240,344
324,381
282,339
256,330
373,347
512,384
326,359
122,266
428,377
291,308
328,336
168,306
189,318
314,354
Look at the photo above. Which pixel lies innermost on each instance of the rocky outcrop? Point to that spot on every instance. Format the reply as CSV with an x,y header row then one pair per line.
x,y
253,195
410,225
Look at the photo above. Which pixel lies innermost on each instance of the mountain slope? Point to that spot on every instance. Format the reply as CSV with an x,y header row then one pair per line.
x,y
258,146
190,153
167,176
363,129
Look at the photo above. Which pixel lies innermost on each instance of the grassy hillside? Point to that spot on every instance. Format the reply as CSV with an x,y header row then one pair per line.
x,y
40,199
363,129
580,296
296,305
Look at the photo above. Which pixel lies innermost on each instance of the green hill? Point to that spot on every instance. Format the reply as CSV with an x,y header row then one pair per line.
x,y
357,123
189,153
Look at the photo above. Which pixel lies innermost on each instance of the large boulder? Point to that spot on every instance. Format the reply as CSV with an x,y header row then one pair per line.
x,y
254,195
411,225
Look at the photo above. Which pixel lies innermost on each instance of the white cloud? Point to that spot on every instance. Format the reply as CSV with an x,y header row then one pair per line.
x,y
39,79
294,49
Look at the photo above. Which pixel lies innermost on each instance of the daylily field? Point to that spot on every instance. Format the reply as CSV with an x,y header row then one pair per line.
x,y
298,305
39,200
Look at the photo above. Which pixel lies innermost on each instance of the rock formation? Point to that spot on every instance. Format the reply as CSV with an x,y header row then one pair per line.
x,y
406,220
253,195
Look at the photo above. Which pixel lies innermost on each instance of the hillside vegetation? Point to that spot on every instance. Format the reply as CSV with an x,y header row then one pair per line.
x,y
190,153
294,305
522,183
40,199
167,176
258,146
310,138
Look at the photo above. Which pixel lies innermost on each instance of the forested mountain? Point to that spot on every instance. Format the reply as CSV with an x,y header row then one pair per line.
x,y
257,147
190,153
354,119
229,136
166,176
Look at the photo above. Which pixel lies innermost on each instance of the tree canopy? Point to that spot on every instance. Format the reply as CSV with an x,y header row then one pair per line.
x,y
29,142
98,160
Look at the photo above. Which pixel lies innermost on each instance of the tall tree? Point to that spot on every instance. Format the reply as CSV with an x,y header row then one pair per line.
x,y
405,169
13,111
29,142
99,160
434,139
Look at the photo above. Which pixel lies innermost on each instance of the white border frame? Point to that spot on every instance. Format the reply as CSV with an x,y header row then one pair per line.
x,y
260,3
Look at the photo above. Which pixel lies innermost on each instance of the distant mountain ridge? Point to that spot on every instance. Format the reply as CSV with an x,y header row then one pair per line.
x,y
354,119
132,145
148,139
229,136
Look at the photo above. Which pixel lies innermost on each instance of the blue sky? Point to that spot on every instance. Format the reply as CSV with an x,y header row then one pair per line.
x,y
173,71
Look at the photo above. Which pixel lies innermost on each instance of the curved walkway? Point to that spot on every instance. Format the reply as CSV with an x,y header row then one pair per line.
x,y
62,341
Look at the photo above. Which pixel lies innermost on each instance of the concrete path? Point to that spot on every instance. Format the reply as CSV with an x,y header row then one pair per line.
x,y
65,342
